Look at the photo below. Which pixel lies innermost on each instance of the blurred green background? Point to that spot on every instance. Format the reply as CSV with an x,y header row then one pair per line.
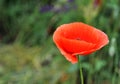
x,y
28,54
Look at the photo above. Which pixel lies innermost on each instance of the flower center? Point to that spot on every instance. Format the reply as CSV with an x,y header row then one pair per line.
x,y
77,38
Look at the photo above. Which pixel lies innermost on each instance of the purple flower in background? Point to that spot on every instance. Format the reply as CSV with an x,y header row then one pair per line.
x,y
63,8
70,0
66,7
57,8
46,8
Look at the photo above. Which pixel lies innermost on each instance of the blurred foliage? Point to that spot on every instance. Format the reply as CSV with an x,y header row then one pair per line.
x,y
28,54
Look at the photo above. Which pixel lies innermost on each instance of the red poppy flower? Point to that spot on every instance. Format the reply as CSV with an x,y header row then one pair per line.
x,y
78,38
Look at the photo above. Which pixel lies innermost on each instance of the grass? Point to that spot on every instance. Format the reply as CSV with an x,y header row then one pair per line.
x,y
33,65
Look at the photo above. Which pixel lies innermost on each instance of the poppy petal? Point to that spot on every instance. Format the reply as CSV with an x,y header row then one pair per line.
x,y
72,58
79,31
74,46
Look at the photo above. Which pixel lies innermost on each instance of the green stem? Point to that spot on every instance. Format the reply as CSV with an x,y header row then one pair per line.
x,y
80,68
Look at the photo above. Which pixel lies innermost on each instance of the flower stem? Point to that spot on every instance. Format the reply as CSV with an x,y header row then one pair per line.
x,y
80,69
